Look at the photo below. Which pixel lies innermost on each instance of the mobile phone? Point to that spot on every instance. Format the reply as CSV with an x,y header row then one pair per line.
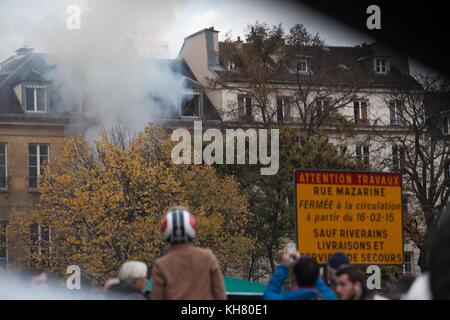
x,y
292,251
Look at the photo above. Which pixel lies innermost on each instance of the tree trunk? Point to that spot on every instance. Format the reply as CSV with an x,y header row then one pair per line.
x,y
423,257
425,247
250,271
271,259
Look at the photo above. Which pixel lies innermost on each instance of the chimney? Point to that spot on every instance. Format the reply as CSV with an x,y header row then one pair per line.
x,y
24,51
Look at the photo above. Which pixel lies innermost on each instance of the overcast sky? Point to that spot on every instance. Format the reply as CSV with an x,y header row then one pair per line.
x,y
155,22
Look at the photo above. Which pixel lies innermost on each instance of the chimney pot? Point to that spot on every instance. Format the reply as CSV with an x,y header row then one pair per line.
x,y
24,50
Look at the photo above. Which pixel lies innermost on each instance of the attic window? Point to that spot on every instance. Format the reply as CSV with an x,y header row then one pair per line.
x,y
381,65
303,66
231,66
190,104
35,98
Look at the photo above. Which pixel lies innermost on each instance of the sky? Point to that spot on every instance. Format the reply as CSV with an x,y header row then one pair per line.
x,y
158,27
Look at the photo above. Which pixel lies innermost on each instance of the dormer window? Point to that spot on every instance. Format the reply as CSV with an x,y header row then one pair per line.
x,y
381,65
35,98
303,66
231,66
190,104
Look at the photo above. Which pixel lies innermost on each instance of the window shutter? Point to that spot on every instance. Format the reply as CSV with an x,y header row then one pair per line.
x,y
364,111
366,150
34,233
319,106
395,157
248,106
358,151
280,109
445,125
287,108
356,110
392,112
366,154
240,106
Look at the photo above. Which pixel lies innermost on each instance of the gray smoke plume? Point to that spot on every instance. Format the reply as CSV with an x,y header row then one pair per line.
x,y
105,63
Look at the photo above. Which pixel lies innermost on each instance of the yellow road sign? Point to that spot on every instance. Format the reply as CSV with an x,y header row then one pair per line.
x,y
358,213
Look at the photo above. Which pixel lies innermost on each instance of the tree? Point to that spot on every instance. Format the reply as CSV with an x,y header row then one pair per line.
x,y
103,204
271,197
289,78
421,152
297,85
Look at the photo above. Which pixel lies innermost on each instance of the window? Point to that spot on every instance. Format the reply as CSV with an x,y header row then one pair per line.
x,y
35,98
381,65
446,125
37,157
190,106
362,153
360,111
395,112
72,98
245,106
3,166
283,109
323,107
408,263
230,65
3,245
303,66
40,237
398,157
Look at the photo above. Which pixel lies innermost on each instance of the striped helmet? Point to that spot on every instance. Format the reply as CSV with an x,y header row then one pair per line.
x,y
178,226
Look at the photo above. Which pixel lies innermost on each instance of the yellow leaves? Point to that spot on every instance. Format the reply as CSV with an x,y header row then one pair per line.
x,y
106,202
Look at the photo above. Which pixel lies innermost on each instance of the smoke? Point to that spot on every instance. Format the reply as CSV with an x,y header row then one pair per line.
x,y
105,63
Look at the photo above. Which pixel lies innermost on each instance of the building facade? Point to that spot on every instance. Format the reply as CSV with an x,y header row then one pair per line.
x,y
35,116
372,108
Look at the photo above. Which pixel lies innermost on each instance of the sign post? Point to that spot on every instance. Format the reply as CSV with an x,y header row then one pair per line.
x,y
358,213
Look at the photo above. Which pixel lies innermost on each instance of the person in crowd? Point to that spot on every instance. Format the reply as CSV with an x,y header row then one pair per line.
x,y
336,261
109,284
402,286
36,279
420,288
439,261
435,284
350,284
186,272
308,284
132,280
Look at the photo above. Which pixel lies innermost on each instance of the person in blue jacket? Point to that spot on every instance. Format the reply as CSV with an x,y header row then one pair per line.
x,y
308,284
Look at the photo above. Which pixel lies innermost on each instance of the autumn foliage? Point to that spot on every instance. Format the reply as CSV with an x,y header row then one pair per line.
x,y
104,201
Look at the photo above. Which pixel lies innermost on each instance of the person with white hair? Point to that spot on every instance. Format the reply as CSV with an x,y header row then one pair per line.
x,y
132,279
